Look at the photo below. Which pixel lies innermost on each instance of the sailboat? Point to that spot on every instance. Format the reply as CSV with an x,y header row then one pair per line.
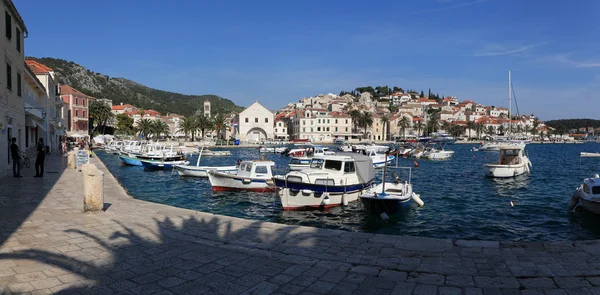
x,y
496,144
512,160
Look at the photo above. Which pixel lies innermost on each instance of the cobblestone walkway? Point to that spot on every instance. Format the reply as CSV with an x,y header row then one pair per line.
x,y
49,246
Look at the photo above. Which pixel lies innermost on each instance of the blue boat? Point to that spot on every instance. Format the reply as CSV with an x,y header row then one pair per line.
x,y
130,161
161,165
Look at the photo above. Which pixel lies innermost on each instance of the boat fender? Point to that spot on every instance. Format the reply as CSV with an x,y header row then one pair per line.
x,y
326,201
246,181
417,199
416,164
573,202
306,191
345,199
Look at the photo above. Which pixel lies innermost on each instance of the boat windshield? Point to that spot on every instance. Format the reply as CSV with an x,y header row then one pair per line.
x,y
316,163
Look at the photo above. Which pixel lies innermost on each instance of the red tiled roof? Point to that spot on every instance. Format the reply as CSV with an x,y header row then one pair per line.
x,y
37,67
66,89
122,107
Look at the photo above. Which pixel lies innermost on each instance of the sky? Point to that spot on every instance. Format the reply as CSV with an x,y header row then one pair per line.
x,y
277,52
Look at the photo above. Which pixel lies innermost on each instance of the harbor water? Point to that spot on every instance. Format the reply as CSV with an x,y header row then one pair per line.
x,y
460,203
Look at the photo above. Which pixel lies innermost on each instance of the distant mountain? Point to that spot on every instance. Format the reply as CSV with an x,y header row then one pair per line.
x,y
122,90
570,124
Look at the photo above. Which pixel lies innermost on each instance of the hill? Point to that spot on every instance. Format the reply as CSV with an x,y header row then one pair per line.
x,y
570,124
121,90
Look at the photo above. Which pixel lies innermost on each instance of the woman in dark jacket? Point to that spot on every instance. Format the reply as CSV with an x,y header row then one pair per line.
x,y
39,160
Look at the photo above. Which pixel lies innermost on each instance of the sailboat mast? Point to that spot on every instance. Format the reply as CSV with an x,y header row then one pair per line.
x,y
509,103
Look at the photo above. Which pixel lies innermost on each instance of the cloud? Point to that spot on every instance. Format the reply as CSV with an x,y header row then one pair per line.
x,y
450,7
498,50
565,59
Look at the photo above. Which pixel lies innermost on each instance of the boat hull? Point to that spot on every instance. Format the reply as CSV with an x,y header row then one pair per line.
x,y
442,155
380,162
303,196
389,206
504,171
228,182
130,161
202,171
588,205
161,165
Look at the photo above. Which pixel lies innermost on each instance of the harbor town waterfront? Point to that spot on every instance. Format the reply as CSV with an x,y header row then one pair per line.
x,y
49,246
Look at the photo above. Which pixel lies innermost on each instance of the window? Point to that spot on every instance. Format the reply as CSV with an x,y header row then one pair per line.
x,y
275,130
243,167
261,170
19,84
324,181
346,121
249,167
311,129
255,120
8,77
316,163
266,120
303,129
335,121
319,121
327,128
336,129
8,24
349,167
246,120
333,165
346,129
303,122
76,113
206,108
18,40
327,121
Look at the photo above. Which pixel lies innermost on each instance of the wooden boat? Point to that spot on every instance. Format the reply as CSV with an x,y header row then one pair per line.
x,y
253,176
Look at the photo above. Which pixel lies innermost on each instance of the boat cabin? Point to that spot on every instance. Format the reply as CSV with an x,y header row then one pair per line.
x,y
261,169
591,187
510,155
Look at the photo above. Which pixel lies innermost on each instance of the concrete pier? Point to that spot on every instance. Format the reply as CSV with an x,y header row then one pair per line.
x,y
49,246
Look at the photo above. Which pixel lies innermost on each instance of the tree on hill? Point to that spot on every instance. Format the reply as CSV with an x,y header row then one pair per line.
x,y
124,125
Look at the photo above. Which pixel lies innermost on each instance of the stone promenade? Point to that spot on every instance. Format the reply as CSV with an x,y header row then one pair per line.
x,y
49,246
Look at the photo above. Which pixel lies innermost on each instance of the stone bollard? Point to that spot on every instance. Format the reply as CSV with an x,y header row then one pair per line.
x,y
72,160
93,188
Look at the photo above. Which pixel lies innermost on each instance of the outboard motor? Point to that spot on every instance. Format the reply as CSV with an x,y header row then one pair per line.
x,y
396,178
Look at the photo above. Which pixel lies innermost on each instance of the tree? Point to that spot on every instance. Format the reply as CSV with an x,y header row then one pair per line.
x,y
158,128
419,126
365,120
219,121
125,124
101,113
142,112
384,121
403,123
203,124
501,129
432,125
422,94
188,126
470,125
355,115
144,127
446,126
479,129
536,124
490,130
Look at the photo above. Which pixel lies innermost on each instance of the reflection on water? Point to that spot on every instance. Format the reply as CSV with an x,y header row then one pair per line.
x,y
460,203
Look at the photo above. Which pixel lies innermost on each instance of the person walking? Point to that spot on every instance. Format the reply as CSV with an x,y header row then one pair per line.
x,y
16,158
39,160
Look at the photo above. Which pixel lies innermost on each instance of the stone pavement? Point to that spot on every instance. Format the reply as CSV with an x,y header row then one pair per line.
x,y
49,246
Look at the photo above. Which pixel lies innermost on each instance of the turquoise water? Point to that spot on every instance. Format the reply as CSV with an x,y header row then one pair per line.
x,y
460,203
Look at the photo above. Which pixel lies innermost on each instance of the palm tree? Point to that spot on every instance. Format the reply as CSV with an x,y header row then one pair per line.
x,y
490,130
355,115
142,112
432,124
534,130
188,126
144,127
446,126
101,113
203,123
403,123
479,128
384,121
470,125
365,121
419,127
219,121
501,129
159,127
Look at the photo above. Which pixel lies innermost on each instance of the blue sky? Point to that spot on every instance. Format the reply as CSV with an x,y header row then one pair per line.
x,y
280,51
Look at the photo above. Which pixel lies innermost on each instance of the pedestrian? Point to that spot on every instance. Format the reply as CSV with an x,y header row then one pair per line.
x,y
16,158
39,160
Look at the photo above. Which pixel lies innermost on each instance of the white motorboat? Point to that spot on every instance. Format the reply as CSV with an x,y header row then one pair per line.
x,y
299,163
303,161
202,171
493,146
379,159
432,152
512,162
344,148
590,155
275,150
587,195
330,180
370,146
253,176
443,138
389,197
207,152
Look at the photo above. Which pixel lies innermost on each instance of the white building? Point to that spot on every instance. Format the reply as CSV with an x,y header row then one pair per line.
x,y
207,109
56,109
12,63
255,124
36,112
318,125
281,130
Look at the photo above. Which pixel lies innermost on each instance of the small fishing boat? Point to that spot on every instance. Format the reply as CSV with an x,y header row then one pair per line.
x,y
202,171
207,152
590,155
129,160
587,195
330,180
161,164
274,150
253,176
389,197
512,162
